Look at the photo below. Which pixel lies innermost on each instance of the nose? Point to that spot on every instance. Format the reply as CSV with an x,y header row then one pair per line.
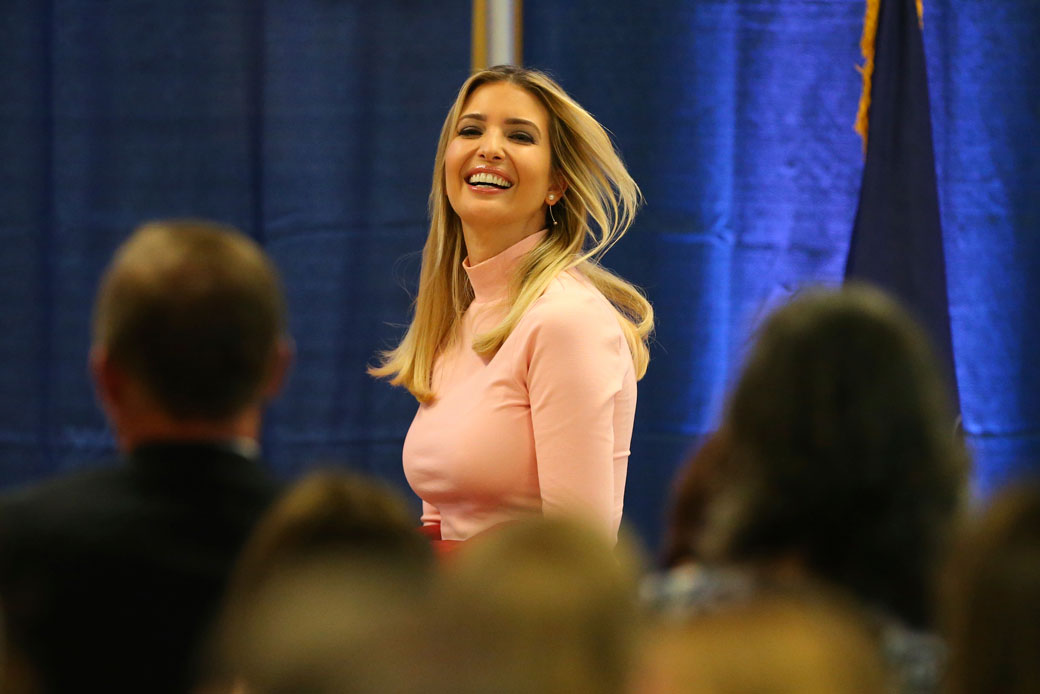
x,y
491,145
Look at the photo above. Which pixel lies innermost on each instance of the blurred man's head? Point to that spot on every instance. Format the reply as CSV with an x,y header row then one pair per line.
x,y
189,333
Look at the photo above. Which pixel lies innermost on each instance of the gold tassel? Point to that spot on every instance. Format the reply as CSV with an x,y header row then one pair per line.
x,y
866,46
867,42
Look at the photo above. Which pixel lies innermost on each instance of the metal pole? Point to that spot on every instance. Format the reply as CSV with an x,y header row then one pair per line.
x,y
497,33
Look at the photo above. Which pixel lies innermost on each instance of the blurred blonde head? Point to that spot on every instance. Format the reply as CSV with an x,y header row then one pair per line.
x,y
771,644
325,626
542,606
333,514
333,576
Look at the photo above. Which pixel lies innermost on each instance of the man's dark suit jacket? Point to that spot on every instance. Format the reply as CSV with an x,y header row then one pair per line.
x,y
110,578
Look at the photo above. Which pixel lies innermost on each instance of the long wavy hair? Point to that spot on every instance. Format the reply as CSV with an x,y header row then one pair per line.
x,y
597,207
842,452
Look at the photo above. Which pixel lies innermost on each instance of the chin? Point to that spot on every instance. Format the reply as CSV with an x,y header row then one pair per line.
x,y
485,217
489,214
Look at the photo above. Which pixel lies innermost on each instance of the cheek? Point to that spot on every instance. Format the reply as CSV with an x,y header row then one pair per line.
x,y
538,170
453,160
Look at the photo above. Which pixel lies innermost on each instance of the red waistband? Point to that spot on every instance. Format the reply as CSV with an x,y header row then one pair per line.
x,y
441,547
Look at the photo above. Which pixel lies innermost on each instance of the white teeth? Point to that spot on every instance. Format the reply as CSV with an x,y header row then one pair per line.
x,y
489,178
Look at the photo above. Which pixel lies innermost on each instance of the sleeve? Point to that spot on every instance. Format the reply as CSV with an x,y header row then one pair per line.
x,y
577,363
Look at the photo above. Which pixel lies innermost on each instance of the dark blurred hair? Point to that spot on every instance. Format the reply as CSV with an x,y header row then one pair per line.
x,y
692,491
843,450
993,602
334,514
194,310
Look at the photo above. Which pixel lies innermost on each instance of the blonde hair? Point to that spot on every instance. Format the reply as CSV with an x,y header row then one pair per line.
x,y
785,640
599,204
542,605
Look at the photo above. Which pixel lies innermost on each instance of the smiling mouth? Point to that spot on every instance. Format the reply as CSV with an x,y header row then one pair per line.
x,y
488,180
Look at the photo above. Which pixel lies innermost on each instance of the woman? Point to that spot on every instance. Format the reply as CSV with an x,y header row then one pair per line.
x,y
523,352
841,465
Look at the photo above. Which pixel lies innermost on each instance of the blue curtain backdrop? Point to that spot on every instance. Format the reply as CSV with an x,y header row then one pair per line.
x,y
312,125
735,117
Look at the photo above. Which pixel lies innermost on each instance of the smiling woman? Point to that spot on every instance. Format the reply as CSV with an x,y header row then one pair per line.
x,y
523,351
498,169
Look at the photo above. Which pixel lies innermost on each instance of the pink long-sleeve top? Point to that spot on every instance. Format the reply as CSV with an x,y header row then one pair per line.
x,y
543,426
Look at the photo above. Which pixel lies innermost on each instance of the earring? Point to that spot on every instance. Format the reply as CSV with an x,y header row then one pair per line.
x,y
551,214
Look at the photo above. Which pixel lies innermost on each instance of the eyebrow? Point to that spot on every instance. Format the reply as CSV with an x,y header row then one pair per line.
x,y
509,121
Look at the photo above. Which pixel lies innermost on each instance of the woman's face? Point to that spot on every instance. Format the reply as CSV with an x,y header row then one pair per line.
x,y
497,165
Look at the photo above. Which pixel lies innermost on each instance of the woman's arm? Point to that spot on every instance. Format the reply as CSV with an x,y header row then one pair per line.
x,y
578,365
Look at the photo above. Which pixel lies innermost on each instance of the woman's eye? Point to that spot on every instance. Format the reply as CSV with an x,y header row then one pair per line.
x,y
469,131
521,136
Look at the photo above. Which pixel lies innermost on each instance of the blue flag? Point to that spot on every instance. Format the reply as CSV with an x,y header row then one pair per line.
x,y
897,237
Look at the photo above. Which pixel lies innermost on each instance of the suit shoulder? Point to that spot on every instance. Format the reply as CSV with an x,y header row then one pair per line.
x,y
65,499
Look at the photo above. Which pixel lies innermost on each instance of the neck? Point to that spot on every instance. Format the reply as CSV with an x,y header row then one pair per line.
x,y
144,427
487,241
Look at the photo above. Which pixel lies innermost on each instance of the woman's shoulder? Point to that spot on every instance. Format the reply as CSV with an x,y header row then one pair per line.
x,y
571,331
569,297
571,307
571,314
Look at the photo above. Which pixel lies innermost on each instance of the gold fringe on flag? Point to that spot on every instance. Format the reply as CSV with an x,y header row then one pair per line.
x,y
866,47
867,42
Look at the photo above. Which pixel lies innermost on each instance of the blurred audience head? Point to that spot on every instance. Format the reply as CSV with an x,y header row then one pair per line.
x,y
333,573
771,644
544,605
338,515
189,322
324,627
843,456
993,599
537,606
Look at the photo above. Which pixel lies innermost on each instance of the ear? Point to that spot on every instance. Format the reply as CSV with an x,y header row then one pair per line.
x,y
278,370
556,189
109,381
101,374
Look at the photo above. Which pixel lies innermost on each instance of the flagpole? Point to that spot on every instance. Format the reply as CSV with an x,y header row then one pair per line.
x,y
497,33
